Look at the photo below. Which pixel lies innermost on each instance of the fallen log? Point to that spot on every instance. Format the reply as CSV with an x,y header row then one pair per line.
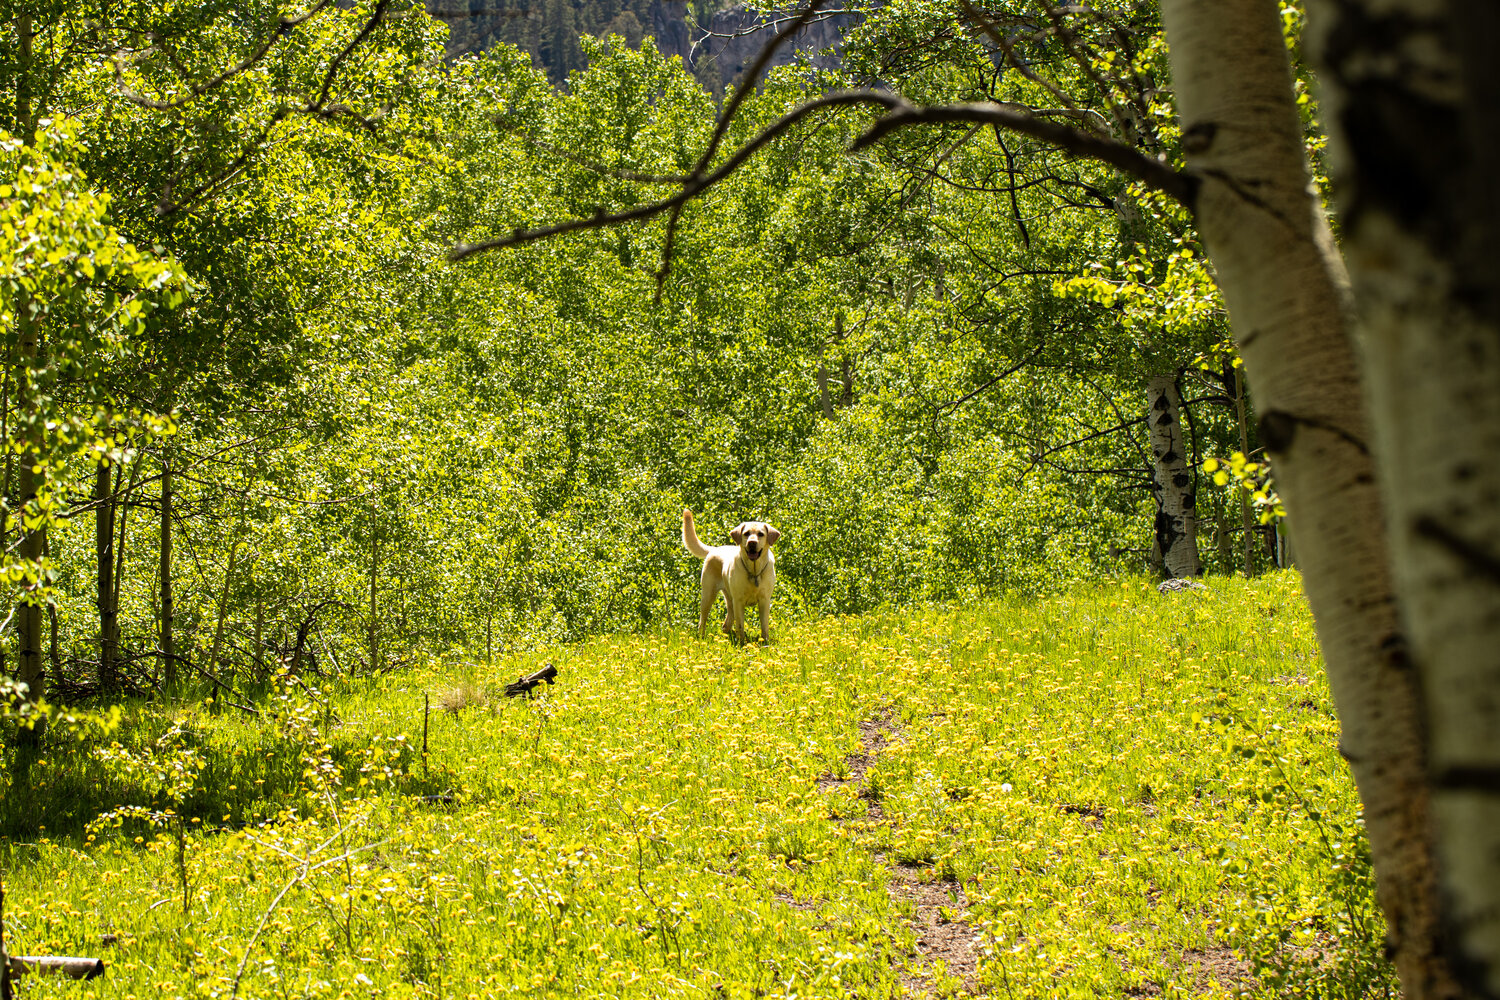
x,y
524,683
51,965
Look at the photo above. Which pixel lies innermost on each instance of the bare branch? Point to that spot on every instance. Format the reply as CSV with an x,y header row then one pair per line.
x,y
989,28
283,27
900,113
333,68
747,84
1015,118
319,108
937,164
691,188
956,403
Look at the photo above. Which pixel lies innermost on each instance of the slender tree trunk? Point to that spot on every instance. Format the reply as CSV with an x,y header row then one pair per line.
x,y
213,656
104,562
1221,531
1247,519
25,121
1287,293
30,669
1176,500
374,628
258,641
1413,107
54,654
123,502
166,641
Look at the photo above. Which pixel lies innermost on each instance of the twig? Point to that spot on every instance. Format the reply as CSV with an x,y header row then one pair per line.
x,y
300,877
690,190
283,27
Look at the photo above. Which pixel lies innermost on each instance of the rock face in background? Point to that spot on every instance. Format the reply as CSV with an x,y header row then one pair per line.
x,y
733,38
717,53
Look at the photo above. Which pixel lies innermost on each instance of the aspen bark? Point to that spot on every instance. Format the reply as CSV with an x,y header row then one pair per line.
x,y
1409,95
29,669
223,615
1176,501
1287,293
258,640
54,652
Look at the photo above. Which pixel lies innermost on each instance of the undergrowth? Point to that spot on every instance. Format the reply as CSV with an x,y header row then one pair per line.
x,y
1136,794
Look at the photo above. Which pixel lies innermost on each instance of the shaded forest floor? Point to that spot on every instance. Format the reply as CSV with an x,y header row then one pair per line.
x,y
1108,793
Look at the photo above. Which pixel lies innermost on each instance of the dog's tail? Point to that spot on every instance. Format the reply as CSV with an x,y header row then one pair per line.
x,y
690,536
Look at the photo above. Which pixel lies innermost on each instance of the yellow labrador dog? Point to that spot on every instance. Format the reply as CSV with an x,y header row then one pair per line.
x,y
744,571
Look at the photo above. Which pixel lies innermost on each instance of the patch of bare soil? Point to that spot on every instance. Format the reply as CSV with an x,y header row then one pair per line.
x,y
938,908
939,912
874,736
787,899
1198,969
1218,964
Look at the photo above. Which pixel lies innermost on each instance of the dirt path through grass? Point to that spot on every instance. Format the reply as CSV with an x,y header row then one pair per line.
x,y
939,909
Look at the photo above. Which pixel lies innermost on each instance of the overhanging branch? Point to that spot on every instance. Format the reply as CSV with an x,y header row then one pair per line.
x,y
900,113
1015,118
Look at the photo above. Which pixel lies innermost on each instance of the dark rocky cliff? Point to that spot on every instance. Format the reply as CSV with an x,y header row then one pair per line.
x,y
718,53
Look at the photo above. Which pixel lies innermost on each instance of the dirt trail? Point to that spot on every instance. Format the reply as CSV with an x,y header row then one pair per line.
x,y
939,909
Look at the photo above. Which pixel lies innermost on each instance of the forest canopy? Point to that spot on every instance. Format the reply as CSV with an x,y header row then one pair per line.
x,y
934,356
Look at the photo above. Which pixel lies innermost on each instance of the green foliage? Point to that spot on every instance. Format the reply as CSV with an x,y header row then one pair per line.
x,y
78,299
1254,478
1117,792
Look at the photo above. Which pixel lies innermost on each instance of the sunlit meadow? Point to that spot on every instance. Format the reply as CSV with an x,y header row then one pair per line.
x,y
1111,793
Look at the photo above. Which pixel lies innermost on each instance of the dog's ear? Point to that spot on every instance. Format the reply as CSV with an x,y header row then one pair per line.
x,y
772,535
738,534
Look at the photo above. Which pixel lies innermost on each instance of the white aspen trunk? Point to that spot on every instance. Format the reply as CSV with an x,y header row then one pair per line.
x,y
1286,290
213,656
124,504
1410,98
1176,500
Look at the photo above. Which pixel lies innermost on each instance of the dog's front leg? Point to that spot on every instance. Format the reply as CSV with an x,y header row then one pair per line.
x,y
734,621
764,606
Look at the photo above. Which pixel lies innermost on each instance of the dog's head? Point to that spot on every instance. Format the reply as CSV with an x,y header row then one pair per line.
x,y
754,537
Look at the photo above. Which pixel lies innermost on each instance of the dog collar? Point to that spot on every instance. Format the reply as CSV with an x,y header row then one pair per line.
x,y
754,576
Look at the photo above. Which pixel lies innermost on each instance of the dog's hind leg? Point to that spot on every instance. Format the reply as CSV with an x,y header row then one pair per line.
x,y
705,605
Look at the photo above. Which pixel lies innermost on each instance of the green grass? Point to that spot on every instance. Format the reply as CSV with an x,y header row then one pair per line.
x,y
1120,794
